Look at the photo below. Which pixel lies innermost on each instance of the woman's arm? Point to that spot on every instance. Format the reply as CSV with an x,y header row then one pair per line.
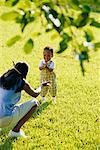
x,y
34,93
29,90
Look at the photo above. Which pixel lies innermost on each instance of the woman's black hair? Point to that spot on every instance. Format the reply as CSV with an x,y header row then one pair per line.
x,y
12,77
22,68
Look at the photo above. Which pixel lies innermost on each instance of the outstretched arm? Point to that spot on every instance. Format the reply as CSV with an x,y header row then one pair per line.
x,y
29,90
34,93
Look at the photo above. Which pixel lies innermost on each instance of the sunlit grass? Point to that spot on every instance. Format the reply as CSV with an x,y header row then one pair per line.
x,y
74,122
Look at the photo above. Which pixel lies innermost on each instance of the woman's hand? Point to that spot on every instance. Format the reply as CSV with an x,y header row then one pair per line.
x,y
38,90
29,90
34,93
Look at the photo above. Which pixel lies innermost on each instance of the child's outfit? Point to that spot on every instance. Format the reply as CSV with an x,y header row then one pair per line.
x,y
48,75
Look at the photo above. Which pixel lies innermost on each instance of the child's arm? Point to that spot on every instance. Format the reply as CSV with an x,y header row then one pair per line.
x,y
42,65
50,65
29,90
41,68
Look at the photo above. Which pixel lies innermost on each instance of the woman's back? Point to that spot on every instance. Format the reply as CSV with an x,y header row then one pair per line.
x,y
8,98
11,85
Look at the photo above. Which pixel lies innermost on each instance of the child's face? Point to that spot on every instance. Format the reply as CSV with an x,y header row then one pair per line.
x,y
47,56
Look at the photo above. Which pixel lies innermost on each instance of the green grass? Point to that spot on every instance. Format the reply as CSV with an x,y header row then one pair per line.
x,y
74,122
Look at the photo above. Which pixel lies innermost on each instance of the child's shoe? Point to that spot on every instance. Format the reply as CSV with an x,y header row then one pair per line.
x,y
43,99
54,100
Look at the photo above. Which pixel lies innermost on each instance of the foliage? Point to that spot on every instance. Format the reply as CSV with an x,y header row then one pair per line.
x,y
13,40
28,46
74,122
61,16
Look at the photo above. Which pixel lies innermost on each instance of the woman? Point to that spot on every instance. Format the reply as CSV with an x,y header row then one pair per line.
x,y
11,84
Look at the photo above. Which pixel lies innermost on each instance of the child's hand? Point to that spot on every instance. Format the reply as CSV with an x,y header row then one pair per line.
x,y
44,65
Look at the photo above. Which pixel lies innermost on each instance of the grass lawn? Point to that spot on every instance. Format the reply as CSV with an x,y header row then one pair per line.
x,y
74,122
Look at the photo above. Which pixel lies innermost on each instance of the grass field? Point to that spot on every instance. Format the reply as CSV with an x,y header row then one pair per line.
x,y
74,122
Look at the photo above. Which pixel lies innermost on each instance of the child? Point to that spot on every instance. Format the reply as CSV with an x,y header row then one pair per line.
x,y
46,67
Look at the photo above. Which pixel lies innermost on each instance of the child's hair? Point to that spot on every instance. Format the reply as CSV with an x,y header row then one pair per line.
x,y
49,49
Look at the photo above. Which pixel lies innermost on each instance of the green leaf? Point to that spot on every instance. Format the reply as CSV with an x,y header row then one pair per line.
x,y
95,24
25,18
14,2
54,36
82,20
76,2
82,67
63,46
89,36
10,16
66,37
13,40
11,2
97,46
85,8
28,46
84,56
62,20
24,4
68,22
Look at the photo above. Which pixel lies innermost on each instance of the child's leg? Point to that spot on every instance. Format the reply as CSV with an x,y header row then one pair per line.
x,y
43,93
54,99
53,91
43,99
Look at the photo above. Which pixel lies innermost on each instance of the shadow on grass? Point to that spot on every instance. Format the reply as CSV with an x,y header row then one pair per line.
x,y
7,144
41,108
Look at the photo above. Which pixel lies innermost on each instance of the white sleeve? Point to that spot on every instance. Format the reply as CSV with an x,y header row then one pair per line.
x,y
42,62
52,66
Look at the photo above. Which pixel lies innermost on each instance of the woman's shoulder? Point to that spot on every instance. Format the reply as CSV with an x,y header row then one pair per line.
x,y
19,86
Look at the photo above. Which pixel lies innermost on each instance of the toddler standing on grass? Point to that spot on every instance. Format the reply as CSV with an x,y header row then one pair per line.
x,y
46,67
